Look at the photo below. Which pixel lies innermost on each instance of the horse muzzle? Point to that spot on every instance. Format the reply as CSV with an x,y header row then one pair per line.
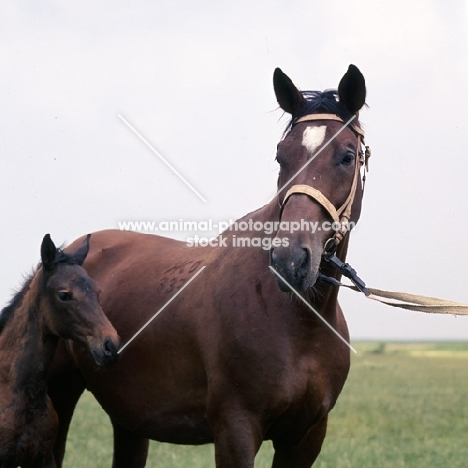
x,y
104,351
297,267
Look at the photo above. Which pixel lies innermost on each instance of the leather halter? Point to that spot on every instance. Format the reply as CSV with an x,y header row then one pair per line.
x,y
342,215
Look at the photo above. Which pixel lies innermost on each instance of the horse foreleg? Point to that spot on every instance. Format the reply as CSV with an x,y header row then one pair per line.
x,y
237,439
129,450
302,454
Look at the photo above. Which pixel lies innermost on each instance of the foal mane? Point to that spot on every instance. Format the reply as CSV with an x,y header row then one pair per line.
x,y
315,102
15,302
17,299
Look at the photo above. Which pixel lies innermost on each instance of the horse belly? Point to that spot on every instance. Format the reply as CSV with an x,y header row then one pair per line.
x,y
158,414
178,426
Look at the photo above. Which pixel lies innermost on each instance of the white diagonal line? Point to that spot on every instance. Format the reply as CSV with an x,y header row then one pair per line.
x,y
314,156
161,157
161,309
312,309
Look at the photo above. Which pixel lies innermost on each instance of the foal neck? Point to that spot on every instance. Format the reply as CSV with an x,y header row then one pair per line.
x,y
26,346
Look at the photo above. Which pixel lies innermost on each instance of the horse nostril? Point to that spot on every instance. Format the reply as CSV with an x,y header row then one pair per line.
x,y
109,347
304,265
273,257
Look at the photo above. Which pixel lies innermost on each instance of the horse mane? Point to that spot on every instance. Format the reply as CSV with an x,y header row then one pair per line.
x,y
316,102
15,302
17,299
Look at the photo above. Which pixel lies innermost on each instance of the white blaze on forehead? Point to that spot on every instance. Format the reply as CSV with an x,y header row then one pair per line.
x,y
313,137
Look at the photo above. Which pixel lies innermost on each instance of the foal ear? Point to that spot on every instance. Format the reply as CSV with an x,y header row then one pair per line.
x,y
288,96
79,256
48,252
352,89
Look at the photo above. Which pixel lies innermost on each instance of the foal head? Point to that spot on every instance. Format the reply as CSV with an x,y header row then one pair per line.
x,y
319,160
70,302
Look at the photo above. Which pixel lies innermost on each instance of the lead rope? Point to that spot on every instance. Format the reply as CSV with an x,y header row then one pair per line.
x,y
401,300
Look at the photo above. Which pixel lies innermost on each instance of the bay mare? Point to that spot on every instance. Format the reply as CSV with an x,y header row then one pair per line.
x,y
59,299
235,359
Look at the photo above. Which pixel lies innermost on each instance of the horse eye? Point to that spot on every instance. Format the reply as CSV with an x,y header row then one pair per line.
x,y
279,160
64,296
348,158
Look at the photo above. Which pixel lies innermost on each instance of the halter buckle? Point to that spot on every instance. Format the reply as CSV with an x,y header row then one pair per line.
x,y
330,247
346,270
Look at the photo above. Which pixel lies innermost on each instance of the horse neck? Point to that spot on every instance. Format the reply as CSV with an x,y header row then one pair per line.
x,y
26,347
328,294
267,213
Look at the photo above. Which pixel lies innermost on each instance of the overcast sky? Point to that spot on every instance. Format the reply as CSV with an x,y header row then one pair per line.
x,y
195,79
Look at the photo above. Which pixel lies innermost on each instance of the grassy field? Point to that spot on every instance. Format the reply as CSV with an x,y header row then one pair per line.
x,y
404,405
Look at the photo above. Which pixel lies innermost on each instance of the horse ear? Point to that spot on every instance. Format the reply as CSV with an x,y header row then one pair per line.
x,y
288,96
352,89
79,256
48,252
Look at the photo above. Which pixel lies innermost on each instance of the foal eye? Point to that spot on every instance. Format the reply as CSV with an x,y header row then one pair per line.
x,y
348,158
64,296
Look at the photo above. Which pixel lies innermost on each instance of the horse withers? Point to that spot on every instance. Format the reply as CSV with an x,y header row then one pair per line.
x,y
235,358
58,300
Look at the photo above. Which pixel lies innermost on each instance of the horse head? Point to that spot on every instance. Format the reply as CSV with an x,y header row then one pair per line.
x,y
72,310
318,185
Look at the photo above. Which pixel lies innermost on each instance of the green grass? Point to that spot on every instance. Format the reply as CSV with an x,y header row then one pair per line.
x,y
404,405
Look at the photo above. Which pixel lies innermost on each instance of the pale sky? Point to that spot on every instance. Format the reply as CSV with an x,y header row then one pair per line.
x,y
196,81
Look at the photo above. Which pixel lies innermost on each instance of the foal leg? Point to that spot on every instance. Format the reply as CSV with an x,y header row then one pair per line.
x,y
303,454
49,462
40,461
129,450
64,388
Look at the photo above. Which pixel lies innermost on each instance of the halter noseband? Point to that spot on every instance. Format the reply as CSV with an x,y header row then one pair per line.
x,y
340,216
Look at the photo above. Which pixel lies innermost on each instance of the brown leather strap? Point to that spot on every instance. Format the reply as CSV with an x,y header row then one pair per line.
x,y
308,117
312,117
316,195
345,210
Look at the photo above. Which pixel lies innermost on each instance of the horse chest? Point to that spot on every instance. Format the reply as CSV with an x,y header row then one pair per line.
x,y
25,433
315,383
